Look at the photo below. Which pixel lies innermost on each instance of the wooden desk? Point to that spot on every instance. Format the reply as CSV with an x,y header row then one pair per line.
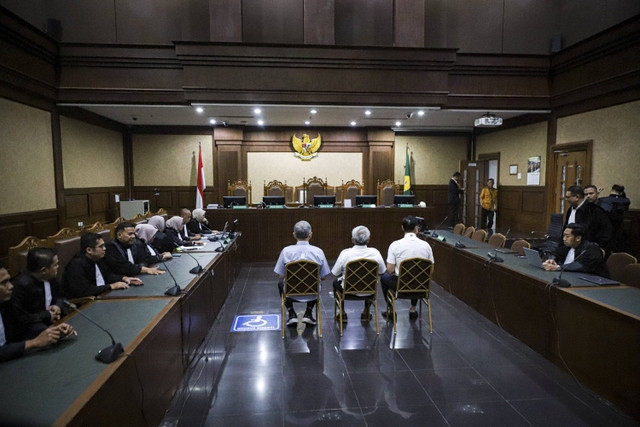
x,y
594,332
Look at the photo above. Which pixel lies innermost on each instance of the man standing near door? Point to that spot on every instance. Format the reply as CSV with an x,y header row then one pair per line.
x,y
454,193
489,202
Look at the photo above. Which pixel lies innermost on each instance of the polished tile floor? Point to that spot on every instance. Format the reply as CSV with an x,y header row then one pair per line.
x,y
468,372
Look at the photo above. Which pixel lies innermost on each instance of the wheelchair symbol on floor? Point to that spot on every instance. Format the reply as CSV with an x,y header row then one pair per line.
x,y
255,323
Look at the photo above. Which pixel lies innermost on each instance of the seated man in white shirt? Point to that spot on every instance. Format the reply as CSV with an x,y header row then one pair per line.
x,y
410,246
360,237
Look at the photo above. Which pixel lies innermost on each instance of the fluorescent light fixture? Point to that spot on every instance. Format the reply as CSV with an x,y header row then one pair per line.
x,y
257,111
367,113
199,110
212,121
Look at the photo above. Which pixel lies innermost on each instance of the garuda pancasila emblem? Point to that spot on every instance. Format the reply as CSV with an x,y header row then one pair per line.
x,y
306,149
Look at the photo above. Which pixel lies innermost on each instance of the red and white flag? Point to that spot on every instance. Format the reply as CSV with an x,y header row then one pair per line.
x,y
201,184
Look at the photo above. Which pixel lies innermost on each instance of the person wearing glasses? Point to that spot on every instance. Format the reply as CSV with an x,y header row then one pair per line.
x,y
88,275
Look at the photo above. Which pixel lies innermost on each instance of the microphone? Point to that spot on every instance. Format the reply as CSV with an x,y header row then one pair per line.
x,y
175,289
221,248
195,270
559,281
107,354
433,233
495,257
459,243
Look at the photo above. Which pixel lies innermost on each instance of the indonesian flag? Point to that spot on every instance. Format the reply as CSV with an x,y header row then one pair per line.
x,y
201,184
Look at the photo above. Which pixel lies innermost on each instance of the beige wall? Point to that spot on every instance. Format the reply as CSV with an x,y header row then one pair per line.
x,y
515,147
166,160
334,167
26,163
433,158
91,156
615,132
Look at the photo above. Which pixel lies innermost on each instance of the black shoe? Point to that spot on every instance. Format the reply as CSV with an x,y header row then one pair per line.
x,y
293,319
413,315
308,319
344,317
365,316
387,315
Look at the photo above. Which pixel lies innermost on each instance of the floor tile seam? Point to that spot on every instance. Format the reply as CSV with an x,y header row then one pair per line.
x,y
518,412
429,396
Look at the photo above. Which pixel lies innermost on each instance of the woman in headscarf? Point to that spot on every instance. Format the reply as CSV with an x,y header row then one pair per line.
x,y
173,230
199,224
147,235
157,221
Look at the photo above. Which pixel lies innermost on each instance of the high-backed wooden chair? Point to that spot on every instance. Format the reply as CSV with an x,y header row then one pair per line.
x,y
469,231
617,262
479,235
139,219
497,240
386,190
64,233
314,187
277,188
631,275
519,245
302,284
239,188
102,229
458,229
414,282
360,283
350,190
66,249
18,254
112,226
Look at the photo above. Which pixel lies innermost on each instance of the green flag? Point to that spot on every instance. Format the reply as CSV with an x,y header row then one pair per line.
x,y
407,174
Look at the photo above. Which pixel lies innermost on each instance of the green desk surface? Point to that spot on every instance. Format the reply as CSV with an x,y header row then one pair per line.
x,y
451,239
155,286
619,298
207,247
36,389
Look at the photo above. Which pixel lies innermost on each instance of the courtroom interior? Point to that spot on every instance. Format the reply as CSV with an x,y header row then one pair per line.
x,y
103,104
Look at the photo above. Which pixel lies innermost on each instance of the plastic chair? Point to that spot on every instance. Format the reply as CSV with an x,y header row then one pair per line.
x,y
497,240
302,284
479,235
469,232
414,281
617,262
360,283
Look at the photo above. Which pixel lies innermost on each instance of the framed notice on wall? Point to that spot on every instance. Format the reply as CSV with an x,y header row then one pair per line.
x,y
513,169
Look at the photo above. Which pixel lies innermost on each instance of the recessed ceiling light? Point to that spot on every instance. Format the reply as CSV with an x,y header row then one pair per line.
x,y
260,122
212,121
398,123
353,123
199,110
307,122
257,111
313,111
421,113
367,113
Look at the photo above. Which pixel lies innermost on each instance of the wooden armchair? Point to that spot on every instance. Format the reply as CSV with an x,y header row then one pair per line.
x,y
314,187
350,190
64,233
240,188
18,254
277,188
386,190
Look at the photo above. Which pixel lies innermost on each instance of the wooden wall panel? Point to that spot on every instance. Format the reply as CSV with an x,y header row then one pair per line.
x,y
99,202
76,205
522,208
88,205
15,227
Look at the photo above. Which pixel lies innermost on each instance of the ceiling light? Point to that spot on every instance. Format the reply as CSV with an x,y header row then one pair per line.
x,y
260,122
367,113
421,113
398,123
488,121
212,121
313,111
307,122
199,110
257,111
353,123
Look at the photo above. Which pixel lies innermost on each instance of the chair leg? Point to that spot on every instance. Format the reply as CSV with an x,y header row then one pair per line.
x,y
340,310
429,307
375,305
393,309
282,314
319,316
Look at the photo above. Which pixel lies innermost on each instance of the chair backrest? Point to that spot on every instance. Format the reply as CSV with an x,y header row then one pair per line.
x,y
361,277
64,233
631,275
480,235
102,229
469,231
350,190
138,219
239,188
458,229
18,254
518,246
497,240
302,278
415,276
314,187
617,262
66,249
386,190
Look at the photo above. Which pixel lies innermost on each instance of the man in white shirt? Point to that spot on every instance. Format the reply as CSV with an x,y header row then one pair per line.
x,y
410,246
360,237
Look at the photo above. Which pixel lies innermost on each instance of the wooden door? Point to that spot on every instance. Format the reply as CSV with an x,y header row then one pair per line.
x,y
571,169
473,179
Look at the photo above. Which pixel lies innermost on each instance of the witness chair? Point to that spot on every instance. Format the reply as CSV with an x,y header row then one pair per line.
x,y
360,283
414,281
497,240
302,284
240,188
479,235
458,229
617,262
519,245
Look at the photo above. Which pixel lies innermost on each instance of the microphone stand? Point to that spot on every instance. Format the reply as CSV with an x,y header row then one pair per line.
x,y
559,281
495,257
198,268
433,233
107,354
175,289
221,248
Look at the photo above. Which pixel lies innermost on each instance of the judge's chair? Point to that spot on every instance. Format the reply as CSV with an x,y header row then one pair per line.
x,y
302,284
386,190
360,283
414,282
239,188
350,190
277,188
314,187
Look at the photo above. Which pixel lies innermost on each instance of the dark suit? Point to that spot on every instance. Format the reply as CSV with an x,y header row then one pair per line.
x,y
79,279
591,259
162,242
28,301
615,206
176,238
196,227
14,333
595,220
453,194
118,261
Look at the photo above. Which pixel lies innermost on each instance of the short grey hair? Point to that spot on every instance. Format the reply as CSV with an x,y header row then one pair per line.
x,y
302,230
360,235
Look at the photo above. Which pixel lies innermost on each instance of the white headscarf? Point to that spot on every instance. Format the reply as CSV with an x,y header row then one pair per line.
x,y
198,214
175,223
145,232
157,221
